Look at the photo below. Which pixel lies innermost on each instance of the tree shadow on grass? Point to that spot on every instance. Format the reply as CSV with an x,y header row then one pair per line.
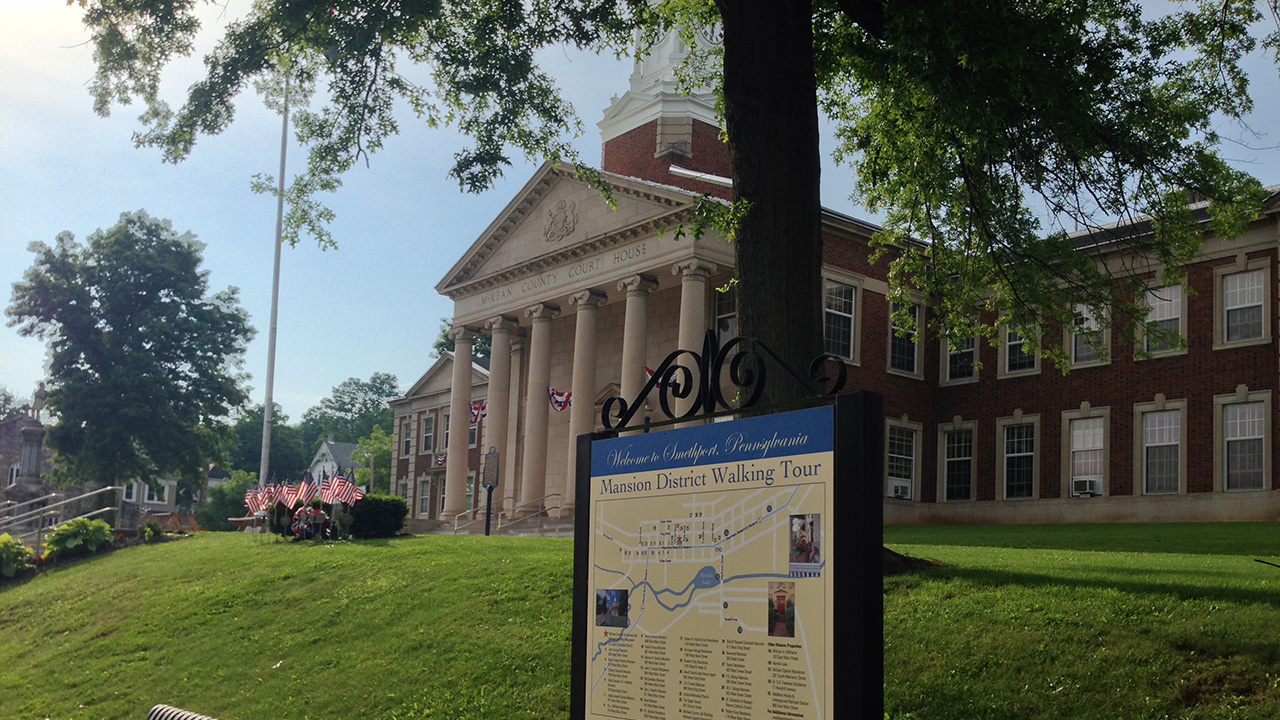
x,y
1134,586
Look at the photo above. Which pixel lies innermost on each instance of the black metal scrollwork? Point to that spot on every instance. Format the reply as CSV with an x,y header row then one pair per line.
x,y
747,370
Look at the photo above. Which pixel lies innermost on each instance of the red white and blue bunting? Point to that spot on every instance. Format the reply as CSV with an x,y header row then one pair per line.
x,y
560,400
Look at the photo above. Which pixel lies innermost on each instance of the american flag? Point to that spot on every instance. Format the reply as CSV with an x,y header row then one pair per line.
x,y
670,383
326,491
560,400
291,497
270,495
479,411
253,501
340,485
306,491
349,493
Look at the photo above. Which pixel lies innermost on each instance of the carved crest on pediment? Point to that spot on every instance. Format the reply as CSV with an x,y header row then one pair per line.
x,y
561,221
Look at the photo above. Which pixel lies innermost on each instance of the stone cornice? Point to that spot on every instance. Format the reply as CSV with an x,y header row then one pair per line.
x,y
636,231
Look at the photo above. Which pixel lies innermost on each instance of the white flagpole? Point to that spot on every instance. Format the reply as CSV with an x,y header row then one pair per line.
x,y
269,404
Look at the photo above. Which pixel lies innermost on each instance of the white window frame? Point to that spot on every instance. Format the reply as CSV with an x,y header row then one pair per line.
x,y
1241,265
944,363
1242,395
151,497
473,434
1085,319
424,495
1140,410
446,432
917,370
406,437
130,492
834,275
428,434
15,472
944,430
1163,309
1003,370
471,491
915,428
1018,418
1069,449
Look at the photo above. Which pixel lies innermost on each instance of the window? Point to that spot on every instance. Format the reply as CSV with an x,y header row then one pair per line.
x,y
901,461
446,433
472,435
902,347
1162,451
1086,456
1242,306
1241,296
428,434
727,314
1019,460
960,360
160,498
424,498
130,493
406,443
1242,429
1165,318
471,491
15,472
1242,440
958,465
441,505
838,318
1087,336
1017,358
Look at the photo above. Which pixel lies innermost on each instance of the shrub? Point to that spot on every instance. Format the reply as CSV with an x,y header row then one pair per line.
x,y
81,536
14,556
150,531
377,516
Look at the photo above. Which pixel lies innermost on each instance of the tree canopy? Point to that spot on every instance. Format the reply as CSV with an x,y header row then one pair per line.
x,y
444,342
143,362
353,408
290,454
983,130
377,445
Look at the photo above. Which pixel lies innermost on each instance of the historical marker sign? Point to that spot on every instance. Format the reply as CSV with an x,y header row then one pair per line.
x,y
707,572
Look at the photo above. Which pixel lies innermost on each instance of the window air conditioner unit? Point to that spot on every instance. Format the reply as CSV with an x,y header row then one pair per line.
x,y
900,490
1086,486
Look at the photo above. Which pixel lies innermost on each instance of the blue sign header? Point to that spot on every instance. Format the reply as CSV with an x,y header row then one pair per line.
x,y
800,432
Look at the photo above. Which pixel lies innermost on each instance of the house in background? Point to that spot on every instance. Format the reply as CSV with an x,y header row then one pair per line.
x,y
423,421
330,458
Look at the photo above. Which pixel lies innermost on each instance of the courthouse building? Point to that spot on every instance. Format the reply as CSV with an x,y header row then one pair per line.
x,y
580,297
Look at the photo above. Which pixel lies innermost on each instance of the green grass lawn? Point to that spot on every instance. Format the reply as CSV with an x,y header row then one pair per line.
x,y
1102,621
1150,621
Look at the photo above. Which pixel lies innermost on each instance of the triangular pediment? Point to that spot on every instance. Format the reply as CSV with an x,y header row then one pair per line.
x,y
557,215
439,378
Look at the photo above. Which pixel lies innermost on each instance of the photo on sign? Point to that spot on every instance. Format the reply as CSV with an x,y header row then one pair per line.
x,y
806,546
611,608
782,609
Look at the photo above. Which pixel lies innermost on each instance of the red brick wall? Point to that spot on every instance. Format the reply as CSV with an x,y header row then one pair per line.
x,y
1197,377
632,154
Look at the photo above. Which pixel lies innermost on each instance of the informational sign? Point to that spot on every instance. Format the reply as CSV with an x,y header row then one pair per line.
x,y
709,556
490,478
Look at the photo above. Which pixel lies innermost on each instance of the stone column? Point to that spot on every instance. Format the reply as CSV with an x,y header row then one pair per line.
x,y
509,470
456,453
582,411
495,422
635,337
693,314
534,465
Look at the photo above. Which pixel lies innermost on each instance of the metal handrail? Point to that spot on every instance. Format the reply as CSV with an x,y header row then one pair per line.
x,y
10,521
10,506
40,532
457,527
543,508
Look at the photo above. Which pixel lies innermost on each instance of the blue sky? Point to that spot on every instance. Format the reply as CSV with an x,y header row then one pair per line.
x,y
369,306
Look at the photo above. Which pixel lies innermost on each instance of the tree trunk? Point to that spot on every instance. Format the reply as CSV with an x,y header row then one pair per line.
x,y
771,117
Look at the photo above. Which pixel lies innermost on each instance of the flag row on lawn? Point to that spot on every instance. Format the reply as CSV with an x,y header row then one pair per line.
x,y
331,490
